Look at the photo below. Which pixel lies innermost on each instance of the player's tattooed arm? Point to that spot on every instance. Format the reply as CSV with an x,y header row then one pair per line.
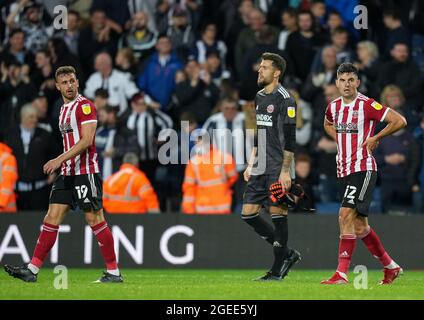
x,y
285,177
289,131
248,171
287,160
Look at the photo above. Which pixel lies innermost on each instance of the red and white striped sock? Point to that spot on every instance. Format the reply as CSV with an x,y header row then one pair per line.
x,y
105,240
44,244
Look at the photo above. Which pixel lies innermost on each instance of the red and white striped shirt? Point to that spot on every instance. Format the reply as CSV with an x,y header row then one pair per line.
x,y
354,123
72,116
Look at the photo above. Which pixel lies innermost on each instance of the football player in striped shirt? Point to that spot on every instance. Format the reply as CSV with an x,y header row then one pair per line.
x,y
79,183
351,120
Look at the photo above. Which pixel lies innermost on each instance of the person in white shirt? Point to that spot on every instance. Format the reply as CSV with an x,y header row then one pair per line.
x,y
117,83
227,128
289,22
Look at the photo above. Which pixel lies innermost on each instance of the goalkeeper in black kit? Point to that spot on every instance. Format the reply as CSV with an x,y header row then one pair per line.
x,y
271,166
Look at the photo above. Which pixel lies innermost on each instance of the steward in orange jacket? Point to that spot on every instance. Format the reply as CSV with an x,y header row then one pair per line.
x,y
8,178
128,190
209,176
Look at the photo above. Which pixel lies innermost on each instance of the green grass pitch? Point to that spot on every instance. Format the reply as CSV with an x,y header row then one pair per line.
x,y
163,284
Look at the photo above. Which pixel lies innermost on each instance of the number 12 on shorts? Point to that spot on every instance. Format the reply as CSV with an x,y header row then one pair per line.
x,y
82,191
350,194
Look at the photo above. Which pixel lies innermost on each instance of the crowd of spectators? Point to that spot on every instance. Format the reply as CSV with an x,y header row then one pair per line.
x,y
149,64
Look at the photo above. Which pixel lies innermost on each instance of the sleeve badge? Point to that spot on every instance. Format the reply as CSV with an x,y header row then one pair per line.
x,y
86,109
376,106
291,112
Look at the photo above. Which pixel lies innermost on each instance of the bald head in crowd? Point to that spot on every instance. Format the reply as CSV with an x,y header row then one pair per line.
x,y
29,116
130,158
103,64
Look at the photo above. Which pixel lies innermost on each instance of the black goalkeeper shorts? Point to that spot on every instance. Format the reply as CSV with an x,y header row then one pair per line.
x,y
83,191
257,190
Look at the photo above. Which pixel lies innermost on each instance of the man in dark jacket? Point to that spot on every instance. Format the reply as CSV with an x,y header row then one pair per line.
x,y
32,147
403,72
15,90
302,45
396,31
398,158
197,94
95,38
248,37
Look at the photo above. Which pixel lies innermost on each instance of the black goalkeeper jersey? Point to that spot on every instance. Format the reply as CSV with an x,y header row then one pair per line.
x,y
273,111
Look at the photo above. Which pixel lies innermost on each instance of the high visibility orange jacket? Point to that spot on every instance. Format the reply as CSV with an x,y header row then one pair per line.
x,y
8,178
207,183
129,191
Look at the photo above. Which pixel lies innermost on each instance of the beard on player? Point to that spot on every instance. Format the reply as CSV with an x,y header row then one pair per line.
x,y
263,82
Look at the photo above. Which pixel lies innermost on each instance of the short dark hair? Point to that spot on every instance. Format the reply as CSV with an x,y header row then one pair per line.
x,y
94,10
228,100
44,51
64,70
303,157
112,109
347,67
334,12
339,30
306,11
206,25
15,31
102,93
163,35
75,13
392,11
277,61
212,52
290,11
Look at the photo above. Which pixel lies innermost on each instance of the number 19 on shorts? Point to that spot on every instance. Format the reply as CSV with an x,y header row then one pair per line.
x,y
82,191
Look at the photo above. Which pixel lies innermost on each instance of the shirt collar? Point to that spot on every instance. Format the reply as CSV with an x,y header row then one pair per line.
x,y
25,130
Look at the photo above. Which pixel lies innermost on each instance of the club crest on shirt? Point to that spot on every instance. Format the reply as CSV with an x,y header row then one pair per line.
x,y
376,105
355,114
86,109
65,128
291,112
270,108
